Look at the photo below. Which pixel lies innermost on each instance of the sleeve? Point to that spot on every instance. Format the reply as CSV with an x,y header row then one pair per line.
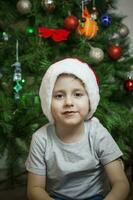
x,y
106,147
35,162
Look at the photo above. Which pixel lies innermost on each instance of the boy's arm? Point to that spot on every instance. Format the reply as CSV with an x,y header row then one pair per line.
x,y
118,180
36,187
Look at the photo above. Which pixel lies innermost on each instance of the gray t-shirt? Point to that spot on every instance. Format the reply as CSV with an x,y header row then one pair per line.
x,y
73,170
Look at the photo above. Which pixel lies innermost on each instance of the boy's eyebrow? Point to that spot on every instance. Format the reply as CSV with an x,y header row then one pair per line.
x,y
55,91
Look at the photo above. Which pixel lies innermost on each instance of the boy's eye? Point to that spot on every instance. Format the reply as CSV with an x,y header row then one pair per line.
x,y
78,94
58,96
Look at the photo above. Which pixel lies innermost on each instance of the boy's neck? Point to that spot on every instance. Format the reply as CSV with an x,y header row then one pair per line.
x,y
70,134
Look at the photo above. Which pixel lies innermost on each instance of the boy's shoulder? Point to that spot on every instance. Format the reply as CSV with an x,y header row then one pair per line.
x,y
95,123
97,130
42,132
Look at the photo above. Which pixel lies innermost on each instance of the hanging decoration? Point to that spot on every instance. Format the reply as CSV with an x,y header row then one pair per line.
x,y
48,5
58,35
123,30
105,20
96,54
87,26
116,38
30,30
71,22
128,85
115,52
17,77
24,7
94,13
5,36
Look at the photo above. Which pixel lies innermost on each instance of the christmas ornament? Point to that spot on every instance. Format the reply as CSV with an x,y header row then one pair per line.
x,y
123,30
96,54
115,52
30,30
94,13
128,85
24,6
89,28
5,36
105,20
17,72
17,87
57,35
71,22
48,5
17,77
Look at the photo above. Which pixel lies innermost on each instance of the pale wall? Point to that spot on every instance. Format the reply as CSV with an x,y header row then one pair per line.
x,y
125,7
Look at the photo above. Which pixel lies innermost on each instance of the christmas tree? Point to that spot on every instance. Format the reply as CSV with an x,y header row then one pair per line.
x,y
33,35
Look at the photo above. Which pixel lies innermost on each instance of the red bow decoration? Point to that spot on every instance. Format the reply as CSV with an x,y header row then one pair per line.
x,y
57,35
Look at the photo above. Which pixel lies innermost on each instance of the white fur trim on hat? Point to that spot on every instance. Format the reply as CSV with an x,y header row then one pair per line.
x,y
70,66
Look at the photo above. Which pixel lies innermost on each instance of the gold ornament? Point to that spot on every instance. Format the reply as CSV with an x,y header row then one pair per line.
x,y
123,30
24,6
48,5
96,54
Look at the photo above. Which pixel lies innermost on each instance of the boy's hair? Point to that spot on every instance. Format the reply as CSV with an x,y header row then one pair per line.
x,y
74,67
73,76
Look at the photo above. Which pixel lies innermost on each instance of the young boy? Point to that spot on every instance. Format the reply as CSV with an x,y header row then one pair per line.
x,y
73,157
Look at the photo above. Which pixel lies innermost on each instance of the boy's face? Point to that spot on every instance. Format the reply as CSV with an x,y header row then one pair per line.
x,y
70,102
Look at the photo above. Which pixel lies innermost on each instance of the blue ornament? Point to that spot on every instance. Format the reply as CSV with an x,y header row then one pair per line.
x,y
105,20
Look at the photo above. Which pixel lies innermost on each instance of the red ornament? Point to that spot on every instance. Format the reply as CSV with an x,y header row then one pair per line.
x,y
128,85
71,22
57,35
115,52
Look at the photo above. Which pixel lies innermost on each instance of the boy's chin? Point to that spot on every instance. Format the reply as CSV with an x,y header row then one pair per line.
x,y
72,122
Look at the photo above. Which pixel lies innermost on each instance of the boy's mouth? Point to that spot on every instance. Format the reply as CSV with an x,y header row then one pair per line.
x,y
69,112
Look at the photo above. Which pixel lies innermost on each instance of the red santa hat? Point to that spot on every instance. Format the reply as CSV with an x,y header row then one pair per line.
x,y
69,66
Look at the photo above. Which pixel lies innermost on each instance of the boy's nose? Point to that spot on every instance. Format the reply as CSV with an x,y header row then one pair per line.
x,y
68,101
